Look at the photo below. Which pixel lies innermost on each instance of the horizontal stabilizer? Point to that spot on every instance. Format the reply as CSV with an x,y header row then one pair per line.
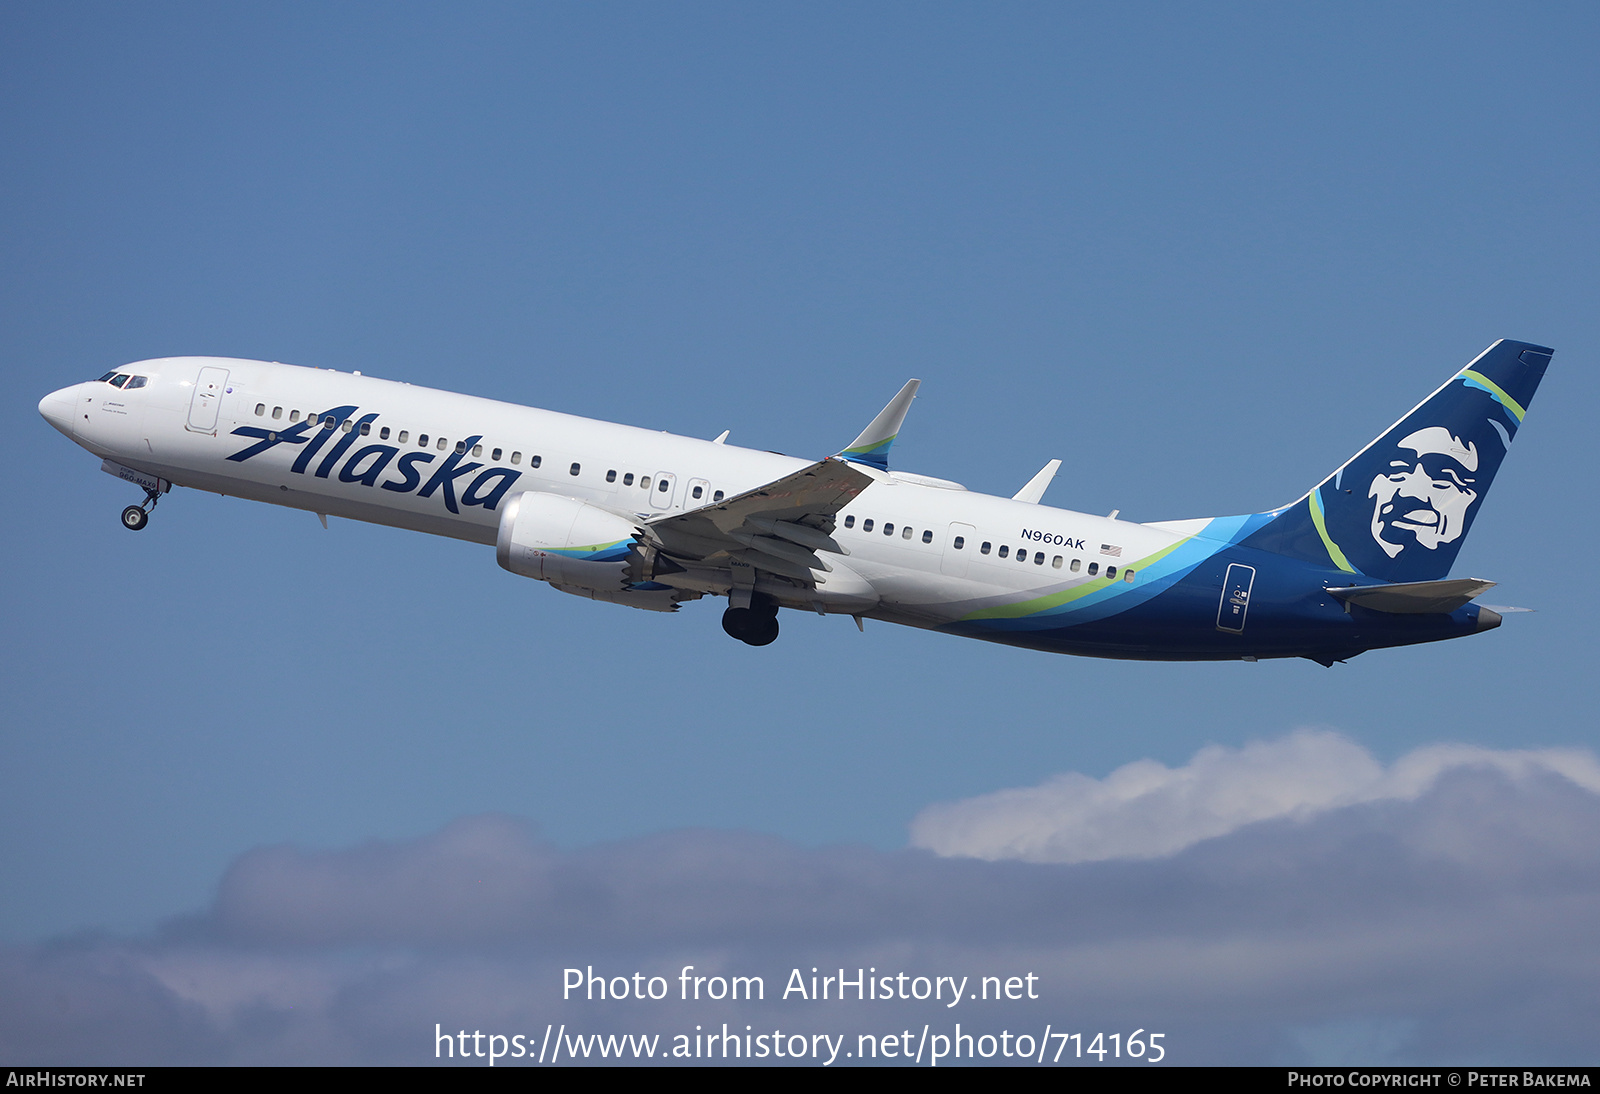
x,y
1416,597
1038,484
872,447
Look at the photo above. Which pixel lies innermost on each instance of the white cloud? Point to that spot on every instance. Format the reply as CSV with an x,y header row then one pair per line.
x,y
1437,910
1147,810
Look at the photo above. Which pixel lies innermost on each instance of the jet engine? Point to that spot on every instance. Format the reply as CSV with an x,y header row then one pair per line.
x,y
581,549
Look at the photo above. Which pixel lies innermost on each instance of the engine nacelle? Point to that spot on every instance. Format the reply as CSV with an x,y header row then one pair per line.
x,y
566,542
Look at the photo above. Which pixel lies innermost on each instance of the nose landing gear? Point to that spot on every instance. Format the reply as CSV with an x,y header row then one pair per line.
x,y
135,517
756,625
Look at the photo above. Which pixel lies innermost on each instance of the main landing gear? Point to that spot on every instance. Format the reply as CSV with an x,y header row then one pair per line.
x,y
756,625
135,517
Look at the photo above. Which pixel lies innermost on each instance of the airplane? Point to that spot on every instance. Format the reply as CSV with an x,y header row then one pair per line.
x,y
652,520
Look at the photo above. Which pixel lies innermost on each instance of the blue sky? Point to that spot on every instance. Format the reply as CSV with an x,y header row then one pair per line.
x,y
1200,254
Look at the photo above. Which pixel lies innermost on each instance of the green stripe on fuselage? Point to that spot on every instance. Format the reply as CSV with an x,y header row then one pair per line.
x,y
1067,596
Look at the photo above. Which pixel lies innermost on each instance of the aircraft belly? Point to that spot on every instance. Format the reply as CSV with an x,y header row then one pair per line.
x,y
402,514
1289,615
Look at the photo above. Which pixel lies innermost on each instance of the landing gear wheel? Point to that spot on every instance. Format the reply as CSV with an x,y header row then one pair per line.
x,y
134,518
751,626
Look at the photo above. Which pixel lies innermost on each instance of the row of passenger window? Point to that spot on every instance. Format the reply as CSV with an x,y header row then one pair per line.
x,y
960,543
327,421
1057,561
441,444
663,485
888,528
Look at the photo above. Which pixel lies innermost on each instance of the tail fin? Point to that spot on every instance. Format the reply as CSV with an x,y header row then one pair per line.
x,y
1399,509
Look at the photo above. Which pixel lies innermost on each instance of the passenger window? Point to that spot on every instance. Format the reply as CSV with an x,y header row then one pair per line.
x,y
261,408
277,412
366,429
119,379
905,533
718,496
495,455
575,469
1127,575
627,480
960,542
328,421
699,492
347,425
294,415
422,440
477,450
1111,573
888,529
535,461
1004,551
516,457
661,487
644,482
1077,564
927,536
404,435
1094,568
137,381
1056,562
461,448
984,549
1022,554
441,444
1038,558
383,434
866,525
611,476
850,521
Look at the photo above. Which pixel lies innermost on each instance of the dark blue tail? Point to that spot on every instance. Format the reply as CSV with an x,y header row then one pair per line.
x,y
1399,509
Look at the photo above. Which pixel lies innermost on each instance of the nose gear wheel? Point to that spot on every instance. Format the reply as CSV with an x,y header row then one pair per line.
x,y
135,517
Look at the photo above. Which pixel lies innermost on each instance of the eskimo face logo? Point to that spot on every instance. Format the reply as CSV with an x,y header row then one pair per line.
x,y
1424,494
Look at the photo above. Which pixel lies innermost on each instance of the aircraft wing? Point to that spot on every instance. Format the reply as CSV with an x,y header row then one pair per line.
x,y
779,528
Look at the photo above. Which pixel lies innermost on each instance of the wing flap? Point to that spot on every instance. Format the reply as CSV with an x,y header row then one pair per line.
x,y
770,527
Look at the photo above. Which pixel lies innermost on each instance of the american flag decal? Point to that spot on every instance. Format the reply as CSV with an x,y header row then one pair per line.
x,y
1110,549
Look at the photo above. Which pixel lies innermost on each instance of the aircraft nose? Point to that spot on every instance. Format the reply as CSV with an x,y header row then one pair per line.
x,y
57,409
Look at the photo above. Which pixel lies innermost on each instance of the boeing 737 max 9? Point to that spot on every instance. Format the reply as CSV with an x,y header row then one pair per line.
x,y
647,519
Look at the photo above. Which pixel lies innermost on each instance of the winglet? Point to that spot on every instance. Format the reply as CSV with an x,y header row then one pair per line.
x,y
872,447
1038,484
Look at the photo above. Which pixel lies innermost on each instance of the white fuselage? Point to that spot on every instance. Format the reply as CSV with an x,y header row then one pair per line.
x,y
901,533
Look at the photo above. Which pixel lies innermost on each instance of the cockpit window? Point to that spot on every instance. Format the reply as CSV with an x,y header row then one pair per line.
x,y
136,381
106,377
119,379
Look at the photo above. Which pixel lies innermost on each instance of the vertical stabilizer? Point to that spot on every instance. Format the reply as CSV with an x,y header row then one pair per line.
x,y
1399,509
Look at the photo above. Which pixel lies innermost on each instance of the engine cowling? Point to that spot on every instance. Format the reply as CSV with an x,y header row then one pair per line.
x,y
582,549
566,542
